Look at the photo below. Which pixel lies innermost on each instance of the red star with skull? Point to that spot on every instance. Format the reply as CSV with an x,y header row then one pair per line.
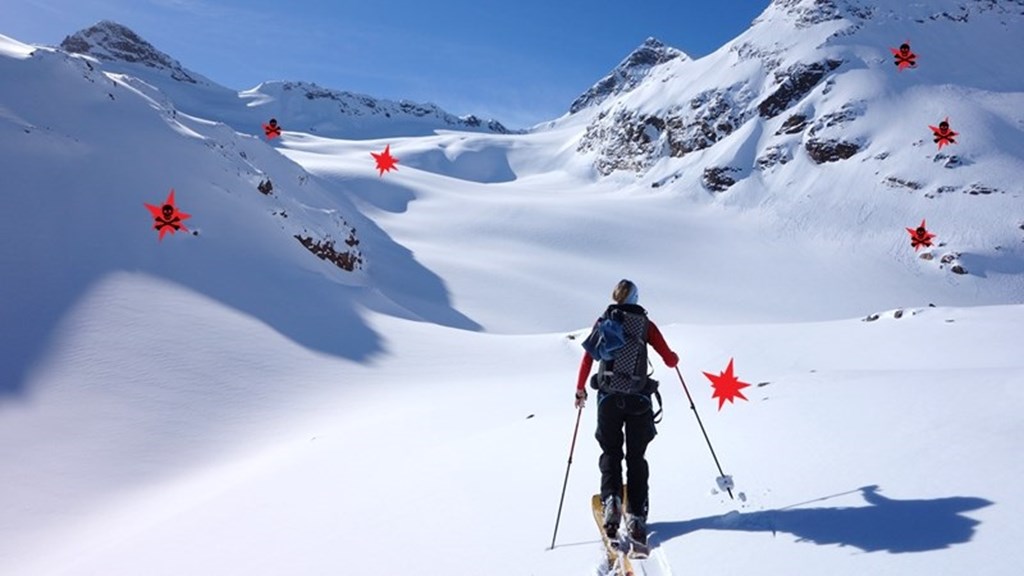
x,y
271,129
920,236
904,58
385,161
942,134
726,385
167,217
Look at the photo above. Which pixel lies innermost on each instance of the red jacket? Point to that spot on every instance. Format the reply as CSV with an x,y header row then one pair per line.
x,y
654,338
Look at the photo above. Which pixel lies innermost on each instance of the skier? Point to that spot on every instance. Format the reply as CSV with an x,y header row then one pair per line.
x,y
624,401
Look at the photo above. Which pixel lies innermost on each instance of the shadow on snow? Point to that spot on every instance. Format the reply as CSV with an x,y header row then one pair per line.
x,y
895,526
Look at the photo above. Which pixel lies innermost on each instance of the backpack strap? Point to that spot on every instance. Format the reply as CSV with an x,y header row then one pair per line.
x,y
657,413
654,395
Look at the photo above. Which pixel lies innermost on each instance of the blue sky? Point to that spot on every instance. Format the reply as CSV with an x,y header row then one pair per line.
x,y
520,61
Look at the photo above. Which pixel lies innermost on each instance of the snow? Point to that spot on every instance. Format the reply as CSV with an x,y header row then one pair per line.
x,y
11,48
226,403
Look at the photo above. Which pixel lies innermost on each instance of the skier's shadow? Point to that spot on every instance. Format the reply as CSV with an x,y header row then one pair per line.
x,y
890,525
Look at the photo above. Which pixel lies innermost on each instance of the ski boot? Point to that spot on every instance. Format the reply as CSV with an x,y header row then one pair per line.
x,y
636,536
612,515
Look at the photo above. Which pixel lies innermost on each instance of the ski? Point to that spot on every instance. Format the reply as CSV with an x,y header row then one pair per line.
x,y
618,559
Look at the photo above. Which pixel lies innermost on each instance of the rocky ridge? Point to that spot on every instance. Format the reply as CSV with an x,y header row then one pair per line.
x,y
629,73
115,43
110,41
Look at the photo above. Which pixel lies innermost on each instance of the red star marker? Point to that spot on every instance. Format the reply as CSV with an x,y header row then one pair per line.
x,y
385,162
727,386
271,129
904,58
920,236
167,216
943,135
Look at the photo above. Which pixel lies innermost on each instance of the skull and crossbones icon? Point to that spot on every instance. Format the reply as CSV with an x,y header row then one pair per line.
x,y
904,58
943,135
167,218
272,130
920,236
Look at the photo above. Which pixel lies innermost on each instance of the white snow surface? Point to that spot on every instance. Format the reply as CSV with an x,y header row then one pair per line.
x,y
226,403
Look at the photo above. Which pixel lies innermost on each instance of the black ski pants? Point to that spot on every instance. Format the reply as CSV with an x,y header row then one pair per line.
x,y
633,414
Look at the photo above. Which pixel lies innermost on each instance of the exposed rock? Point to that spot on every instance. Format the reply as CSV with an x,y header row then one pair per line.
x,y
111,41
958,269
492,125
773,156
965,10
347,260
718,179
352,104
749,51
795,82
629,140
846,114
715,115
822,151
265,186
810,12
624,140
793,125
628,74
894,182
953,161
962,16
977,189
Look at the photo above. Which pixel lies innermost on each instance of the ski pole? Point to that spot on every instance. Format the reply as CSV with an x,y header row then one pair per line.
x,y
706,439
565,482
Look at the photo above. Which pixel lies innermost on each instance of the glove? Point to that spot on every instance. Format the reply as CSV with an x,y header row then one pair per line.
x,y
581,398
672,360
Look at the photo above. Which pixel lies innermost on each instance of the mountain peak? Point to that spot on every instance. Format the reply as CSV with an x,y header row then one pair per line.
x,y
110,41
810,12
629,73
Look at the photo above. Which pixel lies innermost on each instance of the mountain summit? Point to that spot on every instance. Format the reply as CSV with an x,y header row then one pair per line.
x,y
299,106
813,80
629,73
113,42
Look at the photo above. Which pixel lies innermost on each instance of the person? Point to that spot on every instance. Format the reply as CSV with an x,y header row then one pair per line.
x,y
624,404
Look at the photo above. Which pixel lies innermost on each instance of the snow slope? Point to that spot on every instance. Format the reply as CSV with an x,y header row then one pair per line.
x,y
414,467
298,106
226,403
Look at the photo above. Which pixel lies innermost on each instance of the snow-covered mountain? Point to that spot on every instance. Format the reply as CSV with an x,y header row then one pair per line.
x,y
298,106
111,42
805,114
815,78
331,359
628,74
